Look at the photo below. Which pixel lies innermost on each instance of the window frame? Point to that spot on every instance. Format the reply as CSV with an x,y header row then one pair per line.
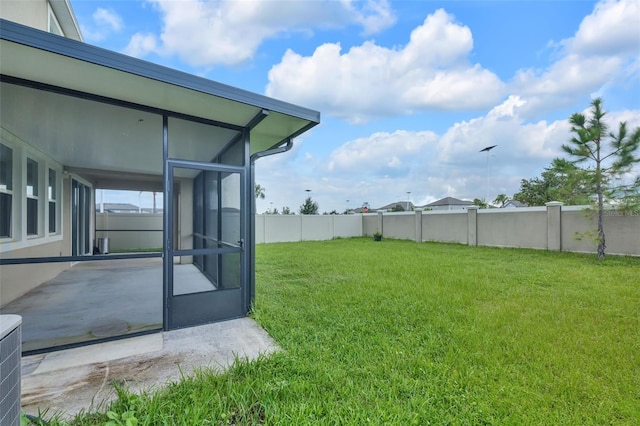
x,y
8,191
32,197
19,239
53,193
53,18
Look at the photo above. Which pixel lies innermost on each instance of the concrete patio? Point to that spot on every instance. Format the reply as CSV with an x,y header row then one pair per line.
x,y
109,298
68,381
99,299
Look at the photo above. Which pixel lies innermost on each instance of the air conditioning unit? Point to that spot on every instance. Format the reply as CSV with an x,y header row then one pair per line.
x,y
10,358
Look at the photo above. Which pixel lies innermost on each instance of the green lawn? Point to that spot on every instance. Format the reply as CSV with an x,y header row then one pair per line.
x,y
395,332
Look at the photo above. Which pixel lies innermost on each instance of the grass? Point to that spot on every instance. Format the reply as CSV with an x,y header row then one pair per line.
x,y
396,332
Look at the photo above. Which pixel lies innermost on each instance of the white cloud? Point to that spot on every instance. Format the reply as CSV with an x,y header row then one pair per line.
x,y
374,17
604,48
228,32
140,45
382,167
105,23
613,27
380,154
108,18
431,72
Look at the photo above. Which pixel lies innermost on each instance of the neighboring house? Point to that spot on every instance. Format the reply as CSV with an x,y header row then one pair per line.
x,y
75,118
449,203
514,204
405,205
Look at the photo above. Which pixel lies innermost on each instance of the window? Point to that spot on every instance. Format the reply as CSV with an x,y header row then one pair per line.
x,y
52,200
6,190
32,197
54,26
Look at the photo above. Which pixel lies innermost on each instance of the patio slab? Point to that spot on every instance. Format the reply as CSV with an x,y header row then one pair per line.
x,y
72,380
99,299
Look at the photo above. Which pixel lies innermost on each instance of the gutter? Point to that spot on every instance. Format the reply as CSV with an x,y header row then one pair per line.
x,y
272,151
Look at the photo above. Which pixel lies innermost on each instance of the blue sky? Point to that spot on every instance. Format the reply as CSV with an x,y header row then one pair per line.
x,y
409,91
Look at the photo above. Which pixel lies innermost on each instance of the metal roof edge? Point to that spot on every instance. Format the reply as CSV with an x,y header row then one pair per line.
x,y
17,33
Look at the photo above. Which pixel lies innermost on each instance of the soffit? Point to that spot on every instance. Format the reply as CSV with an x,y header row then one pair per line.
x,y
38,56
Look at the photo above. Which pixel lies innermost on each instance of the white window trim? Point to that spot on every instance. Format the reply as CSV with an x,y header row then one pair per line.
x,y
19,238
11,192
52,17
56,200
38,197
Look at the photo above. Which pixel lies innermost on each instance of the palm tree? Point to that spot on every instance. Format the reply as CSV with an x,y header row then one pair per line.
x,y
480,203
502,200
259,191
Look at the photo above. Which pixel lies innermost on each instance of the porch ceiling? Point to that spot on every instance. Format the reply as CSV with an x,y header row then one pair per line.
x,y
108,131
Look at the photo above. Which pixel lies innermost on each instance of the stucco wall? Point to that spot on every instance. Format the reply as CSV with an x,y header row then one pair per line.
x,y
18,280
130,230
622,231
400,225
553,227
512,228
291,228
445,226
534,227
33,13
369,224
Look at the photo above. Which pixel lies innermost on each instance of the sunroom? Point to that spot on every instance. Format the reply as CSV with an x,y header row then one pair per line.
x,y
75,118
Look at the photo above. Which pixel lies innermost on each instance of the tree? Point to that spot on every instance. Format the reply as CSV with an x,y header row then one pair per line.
x,y
604,164
502,200
397,208
287,210
309,207
259,191
561,181
480,203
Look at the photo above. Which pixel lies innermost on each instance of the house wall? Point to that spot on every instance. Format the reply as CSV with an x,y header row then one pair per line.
x,y
54,16
20,279
33,13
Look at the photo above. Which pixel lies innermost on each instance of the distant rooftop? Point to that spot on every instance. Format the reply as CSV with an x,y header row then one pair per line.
x,y
449,201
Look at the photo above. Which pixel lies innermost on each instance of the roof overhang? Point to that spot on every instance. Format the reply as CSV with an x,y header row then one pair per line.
x,y
45,58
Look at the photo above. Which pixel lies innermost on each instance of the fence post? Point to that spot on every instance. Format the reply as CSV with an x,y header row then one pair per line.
x,y
554,225
418,225
380,221
472,225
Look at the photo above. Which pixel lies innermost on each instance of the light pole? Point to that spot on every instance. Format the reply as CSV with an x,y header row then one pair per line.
x,y
408,200
487,149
